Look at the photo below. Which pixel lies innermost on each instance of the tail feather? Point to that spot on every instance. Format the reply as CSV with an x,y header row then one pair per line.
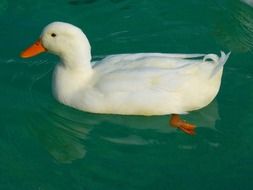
x,y
219,61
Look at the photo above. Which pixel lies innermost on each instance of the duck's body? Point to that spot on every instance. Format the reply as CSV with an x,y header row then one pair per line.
x,y
140,84
129,84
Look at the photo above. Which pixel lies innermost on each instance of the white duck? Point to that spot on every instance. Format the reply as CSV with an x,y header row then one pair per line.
x,y
129,84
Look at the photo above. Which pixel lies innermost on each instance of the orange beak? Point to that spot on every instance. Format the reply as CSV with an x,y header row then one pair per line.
x,y
33,50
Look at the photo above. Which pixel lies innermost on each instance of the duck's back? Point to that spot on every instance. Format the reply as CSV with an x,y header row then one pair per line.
x,y
144,60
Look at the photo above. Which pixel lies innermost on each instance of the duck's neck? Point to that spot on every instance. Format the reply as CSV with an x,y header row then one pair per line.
x,y
77,60
72,75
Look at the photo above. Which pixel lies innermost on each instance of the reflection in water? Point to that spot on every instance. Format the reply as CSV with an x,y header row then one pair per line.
x,y
249,2
63,138
235,27
205,118
65,132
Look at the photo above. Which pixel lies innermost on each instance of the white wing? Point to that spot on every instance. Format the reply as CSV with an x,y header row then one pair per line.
x,y
137,72
142,60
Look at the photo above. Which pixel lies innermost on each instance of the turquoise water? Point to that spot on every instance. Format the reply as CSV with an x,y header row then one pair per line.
x,y
45,145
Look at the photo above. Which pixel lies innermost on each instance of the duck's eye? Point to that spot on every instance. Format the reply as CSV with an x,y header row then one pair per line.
x,y
53,35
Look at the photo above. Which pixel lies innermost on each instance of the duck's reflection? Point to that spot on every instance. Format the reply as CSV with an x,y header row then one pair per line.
x,y
64,132
62,137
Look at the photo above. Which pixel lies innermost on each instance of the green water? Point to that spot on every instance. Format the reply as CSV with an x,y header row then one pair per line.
x,y
47,146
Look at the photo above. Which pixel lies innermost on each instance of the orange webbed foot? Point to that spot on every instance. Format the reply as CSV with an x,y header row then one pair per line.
x,y
176,121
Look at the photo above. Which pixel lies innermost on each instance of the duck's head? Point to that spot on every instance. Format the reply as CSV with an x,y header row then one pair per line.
x,y
59,38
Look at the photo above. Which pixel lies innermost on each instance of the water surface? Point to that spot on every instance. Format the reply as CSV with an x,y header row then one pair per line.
x,y
45,145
